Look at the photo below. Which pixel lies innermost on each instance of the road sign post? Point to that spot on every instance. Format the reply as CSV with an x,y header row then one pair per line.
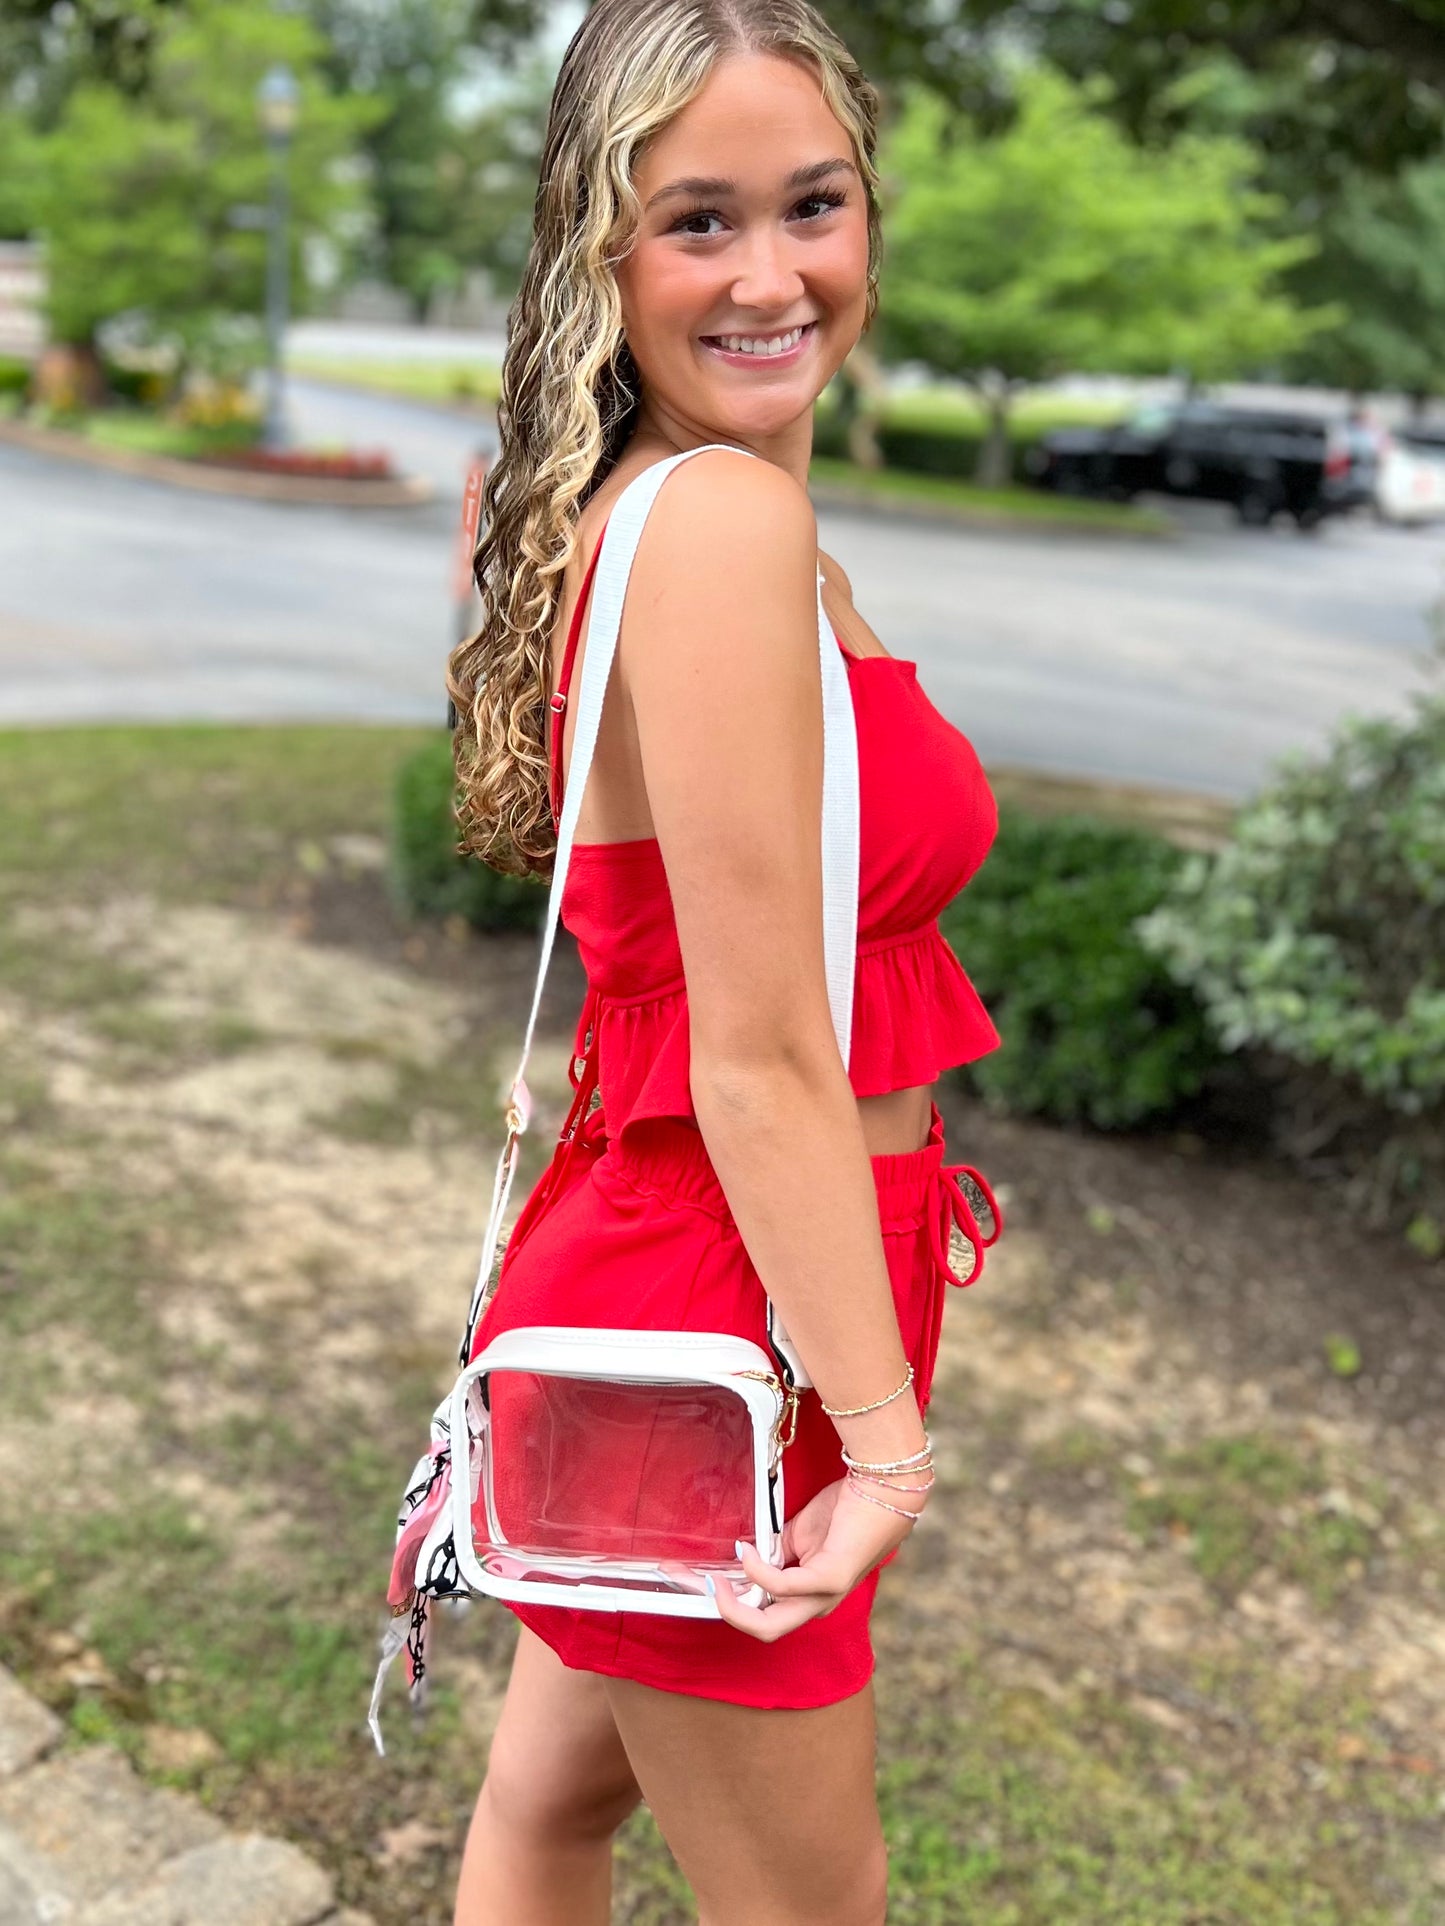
x,y
464,583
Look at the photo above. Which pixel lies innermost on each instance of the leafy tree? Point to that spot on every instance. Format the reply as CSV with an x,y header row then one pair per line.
x,y
1382,262
136,199
1367,77
17,185
1058,246
423,150
52,45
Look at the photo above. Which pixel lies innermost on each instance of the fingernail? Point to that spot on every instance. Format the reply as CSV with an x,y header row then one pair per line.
x,y
739,1547
711,1588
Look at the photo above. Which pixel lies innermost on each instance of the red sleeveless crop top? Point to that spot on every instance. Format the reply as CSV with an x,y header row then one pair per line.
x,y
926,820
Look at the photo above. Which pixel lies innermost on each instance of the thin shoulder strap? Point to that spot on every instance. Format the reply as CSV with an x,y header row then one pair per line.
x,y
557,703
839,816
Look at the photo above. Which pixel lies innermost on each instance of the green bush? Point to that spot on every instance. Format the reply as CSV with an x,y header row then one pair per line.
x,y
143,387
1094,1028
911,449
14,375
1317,938
428,876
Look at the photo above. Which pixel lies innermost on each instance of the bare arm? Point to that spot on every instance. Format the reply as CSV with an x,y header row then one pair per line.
x,y
719,655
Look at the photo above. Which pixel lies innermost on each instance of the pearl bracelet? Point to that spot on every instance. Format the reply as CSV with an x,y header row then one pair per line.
x,y
920,1460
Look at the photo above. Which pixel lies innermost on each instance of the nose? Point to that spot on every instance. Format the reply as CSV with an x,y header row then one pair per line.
x,y
768,281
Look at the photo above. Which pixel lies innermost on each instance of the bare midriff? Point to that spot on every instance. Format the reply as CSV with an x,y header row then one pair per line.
x,y
897,1120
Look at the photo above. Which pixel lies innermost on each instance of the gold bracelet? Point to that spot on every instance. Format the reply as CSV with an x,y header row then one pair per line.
x,y
857,1410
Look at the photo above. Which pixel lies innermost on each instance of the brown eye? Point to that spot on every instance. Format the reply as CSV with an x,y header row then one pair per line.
x,y
826,199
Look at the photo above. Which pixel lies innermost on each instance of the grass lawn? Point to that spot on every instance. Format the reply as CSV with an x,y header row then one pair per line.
x,y
147,433
1159,1656
445,382
1002,505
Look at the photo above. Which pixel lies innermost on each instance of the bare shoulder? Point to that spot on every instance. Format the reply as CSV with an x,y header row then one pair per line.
x,y
728,550
723,512
728,478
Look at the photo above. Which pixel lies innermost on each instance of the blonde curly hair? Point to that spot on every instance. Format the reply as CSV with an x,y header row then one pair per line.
x,y
570,390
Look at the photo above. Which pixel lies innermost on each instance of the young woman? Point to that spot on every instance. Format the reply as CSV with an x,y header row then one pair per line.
x,y
705,257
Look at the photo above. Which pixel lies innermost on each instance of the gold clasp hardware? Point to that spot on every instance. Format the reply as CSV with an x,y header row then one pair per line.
x,y
791,1401
787,1412
516,1123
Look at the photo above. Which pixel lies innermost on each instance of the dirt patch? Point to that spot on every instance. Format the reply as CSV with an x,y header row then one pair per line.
x,y
1183,1585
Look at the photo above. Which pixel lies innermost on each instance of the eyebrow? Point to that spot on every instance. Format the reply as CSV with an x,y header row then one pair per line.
x,y
699,184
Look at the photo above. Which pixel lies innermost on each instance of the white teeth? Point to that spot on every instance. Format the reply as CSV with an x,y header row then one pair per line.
x,y
759,345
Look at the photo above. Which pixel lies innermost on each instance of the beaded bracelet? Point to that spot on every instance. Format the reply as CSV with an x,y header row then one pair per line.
x,y
920,1460
900,1511
857,1410
866,1478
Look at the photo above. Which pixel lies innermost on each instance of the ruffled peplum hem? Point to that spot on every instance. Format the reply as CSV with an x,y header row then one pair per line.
x,y
915,1015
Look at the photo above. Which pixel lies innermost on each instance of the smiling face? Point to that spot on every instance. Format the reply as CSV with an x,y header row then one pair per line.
x,y
746,287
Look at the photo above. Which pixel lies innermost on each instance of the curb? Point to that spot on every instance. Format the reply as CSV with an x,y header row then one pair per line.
x,y
212,479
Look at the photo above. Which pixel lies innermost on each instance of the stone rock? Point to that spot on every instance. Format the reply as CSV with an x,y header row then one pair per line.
x,y
249,1880
27,1728
76,1827
18,1903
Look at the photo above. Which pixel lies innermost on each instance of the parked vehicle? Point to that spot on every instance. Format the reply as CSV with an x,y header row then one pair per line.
x,y
1266,462
1410,485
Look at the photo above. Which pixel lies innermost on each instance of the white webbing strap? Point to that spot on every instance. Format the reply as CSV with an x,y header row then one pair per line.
x,y
839,824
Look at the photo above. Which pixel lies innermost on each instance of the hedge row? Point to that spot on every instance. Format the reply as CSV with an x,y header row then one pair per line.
x,y
916,449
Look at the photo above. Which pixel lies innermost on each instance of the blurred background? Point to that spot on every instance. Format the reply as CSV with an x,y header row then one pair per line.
x,y
1144,464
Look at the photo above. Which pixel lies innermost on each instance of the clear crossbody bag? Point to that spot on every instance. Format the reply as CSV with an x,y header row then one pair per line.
x,y
612,1469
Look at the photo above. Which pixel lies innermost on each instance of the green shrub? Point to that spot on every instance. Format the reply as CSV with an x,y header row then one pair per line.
x,y
428,876
144,387
14,375
917,450
1094,1028
1317,938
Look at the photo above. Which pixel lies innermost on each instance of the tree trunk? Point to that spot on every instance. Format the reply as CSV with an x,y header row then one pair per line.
x,y
69,378
995,456
870,390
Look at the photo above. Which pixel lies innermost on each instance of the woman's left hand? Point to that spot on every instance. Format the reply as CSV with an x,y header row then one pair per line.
x,y
832,1543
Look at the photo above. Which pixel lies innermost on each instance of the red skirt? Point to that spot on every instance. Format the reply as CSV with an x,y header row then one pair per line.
x,y
637,1232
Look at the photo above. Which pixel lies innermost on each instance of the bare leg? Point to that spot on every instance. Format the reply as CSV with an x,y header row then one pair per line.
x,y
558,1785
772,1815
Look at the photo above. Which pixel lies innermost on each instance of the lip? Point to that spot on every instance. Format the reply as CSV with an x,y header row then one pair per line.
x,y
744,360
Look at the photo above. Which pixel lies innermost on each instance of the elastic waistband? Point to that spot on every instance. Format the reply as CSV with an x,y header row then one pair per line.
x,y
673,1157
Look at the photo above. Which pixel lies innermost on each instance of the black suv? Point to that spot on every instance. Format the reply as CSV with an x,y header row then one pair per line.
x,y
1263,461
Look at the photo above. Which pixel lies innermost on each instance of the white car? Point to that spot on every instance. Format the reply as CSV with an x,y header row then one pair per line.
x,y
1410,477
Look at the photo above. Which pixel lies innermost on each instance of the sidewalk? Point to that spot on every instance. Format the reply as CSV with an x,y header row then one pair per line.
x,y
84,1841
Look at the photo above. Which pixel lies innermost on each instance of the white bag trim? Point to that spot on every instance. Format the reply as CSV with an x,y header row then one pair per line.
x,y
640,1357
839,837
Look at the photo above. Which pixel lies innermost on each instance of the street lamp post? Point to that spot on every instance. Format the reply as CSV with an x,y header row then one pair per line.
x,y
278,101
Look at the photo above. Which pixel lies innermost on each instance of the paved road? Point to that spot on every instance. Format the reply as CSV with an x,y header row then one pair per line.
x,y
1188,664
